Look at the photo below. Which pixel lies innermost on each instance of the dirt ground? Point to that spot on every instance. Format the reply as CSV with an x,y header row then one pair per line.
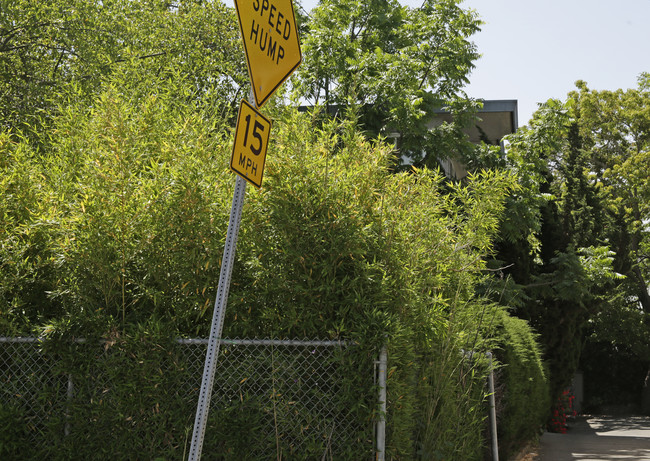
x,y
529,453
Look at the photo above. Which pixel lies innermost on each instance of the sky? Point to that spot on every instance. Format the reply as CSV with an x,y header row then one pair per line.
x,y
536,50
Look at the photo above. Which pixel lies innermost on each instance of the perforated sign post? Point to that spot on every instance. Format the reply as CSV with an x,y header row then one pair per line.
x,y
270,36
272,48
205,394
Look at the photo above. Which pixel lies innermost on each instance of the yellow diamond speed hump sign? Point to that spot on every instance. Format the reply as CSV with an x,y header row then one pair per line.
x,y
271,42
251,142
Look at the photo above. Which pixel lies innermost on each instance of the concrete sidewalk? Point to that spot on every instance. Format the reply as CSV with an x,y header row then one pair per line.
x,y
599,438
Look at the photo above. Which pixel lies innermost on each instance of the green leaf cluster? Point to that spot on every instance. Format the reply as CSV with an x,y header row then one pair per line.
x,y
51,52
523,397
397,65
573,238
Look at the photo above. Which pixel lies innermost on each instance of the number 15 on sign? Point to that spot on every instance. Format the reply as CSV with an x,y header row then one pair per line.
x,y
251,142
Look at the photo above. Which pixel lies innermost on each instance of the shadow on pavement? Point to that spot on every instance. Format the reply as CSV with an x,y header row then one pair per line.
x,y
601,438
628,424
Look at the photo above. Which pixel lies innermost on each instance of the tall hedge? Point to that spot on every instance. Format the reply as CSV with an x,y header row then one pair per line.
x,y
339,244
122,224
523,393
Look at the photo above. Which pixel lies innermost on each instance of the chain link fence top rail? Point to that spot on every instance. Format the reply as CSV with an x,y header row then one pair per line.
x,y
272,399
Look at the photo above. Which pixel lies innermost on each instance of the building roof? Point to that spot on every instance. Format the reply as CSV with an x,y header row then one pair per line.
x,y
497,118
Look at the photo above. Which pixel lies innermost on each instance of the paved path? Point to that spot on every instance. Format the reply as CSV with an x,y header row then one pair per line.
x,y
599,438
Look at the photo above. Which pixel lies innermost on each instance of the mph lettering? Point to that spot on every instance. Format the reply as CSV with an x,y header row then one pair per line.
x,y
248,164
280,27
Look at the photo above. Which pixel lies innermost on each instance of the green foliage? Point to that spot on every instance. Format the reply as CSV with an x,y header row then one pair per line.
x,y
334,244
56,50
397,64
530,151
452,387
616,128
126,219
554,258
133,387
115,197
13,433
127,212
523,395
138,412
27,226
573,250
333,235
604,390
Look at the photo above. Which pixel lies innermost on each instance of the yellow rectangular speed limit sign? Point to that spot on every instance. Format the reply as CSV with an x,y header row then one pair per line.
x,y
251,141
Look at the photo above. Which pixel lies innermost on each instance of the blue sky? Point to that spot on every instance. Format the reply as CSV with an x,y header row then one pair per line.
x,y
536,50
533,51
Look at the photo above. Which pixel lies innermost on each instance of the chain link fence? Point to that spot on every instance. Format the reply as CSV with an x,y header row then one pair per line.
x,y
271,399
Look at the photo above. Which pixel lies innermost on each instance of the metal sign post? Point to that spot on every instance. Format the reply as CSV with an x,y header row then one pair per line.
x,y
272,48
218,315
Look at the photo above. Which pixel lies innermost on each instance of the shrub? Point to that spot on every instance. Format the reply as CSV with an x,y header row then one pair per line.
x,y
13,433
334,245
523,394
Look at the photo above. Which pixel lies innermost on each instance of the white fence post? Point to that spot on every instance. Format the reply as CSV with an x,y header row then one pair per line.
x,y
493,411
69,395
381,422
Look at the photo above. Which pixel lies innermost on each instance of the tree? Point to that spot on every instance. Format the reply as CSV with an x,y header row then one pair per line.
x,y
616,129
53,51
550,242
397,64
574,239
67,68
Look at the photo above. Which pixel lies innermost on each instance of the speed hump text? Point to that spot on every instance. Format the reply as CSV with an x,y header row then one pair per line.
x,y
271,42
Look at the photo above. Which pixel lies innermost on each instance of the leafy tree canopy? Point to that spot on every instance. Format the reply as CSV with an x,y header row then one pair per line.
x,y
574,244
56,50
398,64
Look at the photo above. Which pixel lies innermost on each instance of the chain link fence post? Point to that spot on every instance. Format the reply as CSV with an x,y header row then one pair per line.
x,y
381,421
69,395
493,411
